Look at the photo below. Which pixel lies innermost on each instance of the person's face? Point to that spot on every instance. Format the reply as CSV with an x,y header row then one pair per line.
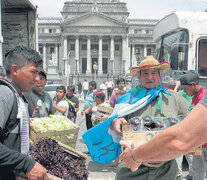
x,y
60,94
120,86
24,78
69,93
149,78
40,84
190,90
98,100
91,88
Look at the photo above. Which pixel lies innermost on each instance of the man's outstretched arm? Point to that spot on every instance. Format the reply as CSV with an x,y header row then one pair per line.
x,y
172,142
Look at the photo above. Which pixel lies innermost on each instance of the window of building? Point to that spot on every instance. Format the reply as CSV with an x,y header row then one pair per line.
x,y
139,31
149,51
54,30
137,50
135,31
72,47
94,46
50,30
150,31
147,31
52,50
84,65
105,47
84,47
116,47
105,65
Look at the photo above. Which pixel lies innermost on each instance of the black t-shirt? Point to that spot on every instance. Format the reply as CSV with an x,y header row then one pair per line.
x,y
74,100
39,105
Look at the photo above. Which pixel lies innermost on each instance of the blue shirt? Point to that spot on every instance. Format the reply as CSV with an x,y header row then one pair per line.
x,y
90,98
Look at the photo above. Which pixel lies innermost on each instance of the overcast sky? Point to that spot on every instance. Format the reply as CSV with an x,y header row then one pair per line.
x,y
154,9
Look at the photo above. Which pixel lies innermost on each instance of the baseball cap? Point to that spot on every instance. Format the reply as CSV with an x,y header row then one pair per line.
x,y
100,95
189,77
42,72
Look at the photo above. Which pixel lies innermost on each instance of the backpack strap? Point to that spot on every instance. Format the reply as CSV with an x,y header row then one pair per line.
x,y
12,121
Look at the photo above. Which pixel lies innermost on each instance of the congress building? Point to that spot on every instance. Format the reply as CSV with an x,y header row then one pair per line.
x,y
94,39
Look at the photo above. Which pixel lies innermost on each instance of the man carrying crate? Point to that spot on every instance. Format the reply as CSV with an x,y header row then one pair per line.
x,y
149,74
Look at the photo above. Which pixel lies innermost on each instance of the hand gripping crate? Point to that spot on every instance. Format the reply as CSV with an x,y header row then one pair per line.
x,y
102,110
140,137
36,135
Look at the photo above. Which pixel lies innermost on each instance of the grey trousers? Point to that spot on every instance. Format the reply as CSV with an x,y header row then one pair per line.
x,y
199,165
168,171
189,159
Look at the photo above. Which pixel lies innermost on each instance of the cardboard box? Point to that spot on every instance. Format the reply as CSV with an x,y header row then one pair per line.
x,y
138,138
36,135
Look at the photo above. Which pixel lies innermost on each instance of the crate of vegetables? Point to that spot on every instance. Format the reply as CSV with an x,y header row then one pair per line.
x,y
56,127
61,161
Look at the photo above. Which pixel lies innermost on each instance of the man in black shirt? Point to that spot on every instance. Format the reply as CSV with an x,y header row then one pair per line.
x,y
40,102
73,100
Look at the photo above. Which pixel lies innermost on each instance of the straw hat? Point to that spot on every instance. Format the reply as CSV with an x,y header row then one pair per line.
x,y
147,63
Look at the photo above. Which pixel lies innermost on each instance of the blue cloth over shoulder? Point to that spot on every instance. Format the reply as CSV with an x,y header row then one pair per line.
x,y
102,142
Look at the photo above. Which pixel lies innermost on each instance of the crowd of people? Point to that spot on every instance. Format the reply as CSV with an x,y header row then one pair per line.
x,y
22,82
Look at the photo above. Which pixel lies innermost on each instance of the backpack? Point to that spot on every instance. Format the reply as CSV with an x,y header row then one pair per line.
x,y
71,112
12,121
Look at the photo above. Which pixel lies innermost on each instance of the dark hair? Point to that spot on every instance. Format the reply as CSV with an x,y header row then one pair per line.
x,y
2,71
61,88
120,80
100,96
92,83
71,88
21,56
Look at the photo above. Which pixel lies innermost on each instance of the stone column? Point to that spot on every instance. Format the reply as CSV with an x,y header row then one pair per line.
x,y
44,54
145,50
134,61
89,70
124,46
112,54
77,53
65,48
56,53
100,70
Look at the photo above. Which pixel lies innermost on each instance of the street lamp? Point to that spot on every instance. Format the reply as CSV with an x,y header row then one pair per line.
x,y
95,67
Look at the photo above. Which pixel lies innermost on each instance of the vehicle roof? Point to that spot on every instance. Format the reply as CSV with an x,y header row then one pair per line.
x,y
194,21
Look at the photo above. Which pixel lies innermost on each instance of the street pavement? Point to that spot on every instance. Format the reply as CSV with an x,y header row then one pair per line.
x,y
99,171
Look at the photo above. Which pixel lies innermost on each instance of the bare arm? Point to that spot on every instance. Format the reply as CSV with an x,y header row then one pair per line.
x,y
174,141
61,109
87,110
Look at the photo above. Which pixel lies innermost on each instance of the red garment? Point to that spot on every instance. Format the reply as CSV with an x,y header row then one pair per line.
x,y
201,93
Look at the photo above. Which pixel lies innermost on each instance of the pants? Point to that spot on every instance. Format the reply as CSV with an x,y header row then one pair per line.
x,y
85,93
167,171
89,124
109,92
199,165
189,159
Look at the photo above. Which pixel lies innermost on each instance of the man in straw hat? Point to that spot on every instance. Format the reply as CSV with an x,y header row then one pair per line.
x,y
169,104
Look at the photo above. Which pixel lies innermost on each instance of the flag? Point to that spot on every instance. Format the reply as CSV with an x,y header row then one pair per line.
x,y
102,142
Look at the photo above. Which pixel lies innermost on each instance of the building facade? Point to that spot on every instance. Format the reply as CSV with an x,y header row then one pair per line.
x,y
93,38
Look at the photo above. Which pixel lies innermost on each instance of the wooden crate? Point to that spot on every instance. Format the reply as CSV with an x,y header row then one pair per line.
x,y
36,135
140,137
101,110
67,149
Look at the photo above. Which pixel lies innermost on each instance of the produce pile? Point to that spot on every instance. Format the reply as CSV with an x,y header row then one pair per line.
x,y
52,123
58,162
148,123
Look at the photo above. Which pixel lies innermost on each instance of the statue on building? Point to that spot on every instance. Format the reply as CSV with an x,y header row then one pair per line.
x,y
53,60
